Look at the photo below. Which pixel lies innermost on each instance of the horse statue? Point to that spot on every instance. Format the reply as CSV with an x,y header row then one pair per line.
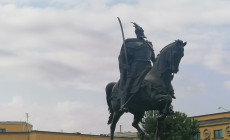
x,y
154,92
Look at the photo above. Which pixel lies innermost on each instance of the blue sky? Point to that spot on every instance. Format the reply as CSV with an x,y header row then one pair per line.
x,y
57,56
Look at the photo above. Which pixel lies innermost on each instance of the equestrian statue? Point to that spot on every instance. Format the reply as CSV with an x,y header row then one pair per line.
x,y
145,81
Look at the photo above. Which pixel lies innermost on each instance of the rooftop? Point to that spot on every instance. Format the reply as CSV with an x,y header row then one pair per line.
x,y
15,123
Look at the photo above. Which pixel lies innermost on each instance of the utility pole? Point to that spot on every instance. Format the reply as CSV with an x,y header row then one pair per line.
x,y
27,120
27,129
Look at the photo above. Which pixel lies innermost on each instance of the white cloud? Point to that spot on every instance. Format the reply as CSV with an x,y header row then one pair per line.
x,y
41,38
227,84
193,53
218,59
17,101
13,109
69,116
185,86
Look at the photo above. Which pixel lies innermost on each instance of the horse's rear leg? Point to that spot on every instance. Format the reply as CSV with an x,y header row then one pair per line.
x,y
116,117
136,120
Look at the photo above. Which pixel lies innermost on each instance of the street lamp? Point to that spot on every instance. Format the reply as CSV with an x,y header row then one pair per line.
x,y
223,108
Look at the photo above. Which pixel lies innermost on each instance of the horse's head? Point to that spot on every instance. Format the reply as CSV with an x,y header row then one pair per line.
x,y
169,58
177,53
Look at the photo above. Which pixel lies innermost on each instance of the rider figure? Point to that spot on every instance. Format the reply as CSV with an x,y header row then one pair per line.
x,y
139,53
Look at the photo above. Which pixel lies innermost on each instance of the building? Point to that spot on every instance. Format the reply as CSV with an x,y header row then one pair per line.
x,y
23,131
213,126
15,127
131,135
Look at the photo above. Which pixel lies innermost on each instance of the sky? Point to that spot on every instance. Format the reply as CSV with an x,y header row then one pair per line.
x,y
57,56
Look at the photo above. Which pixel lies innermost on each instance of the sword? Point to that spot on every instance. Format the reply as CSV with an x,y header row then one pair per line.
x,y
126,59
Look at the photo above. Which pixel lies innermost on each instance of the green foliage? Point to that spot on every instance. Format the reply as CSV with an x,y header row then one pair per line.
x,y
175,127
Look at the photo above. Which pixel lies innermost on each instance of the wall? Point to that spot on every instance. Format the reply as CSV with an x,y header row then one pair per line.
x,y
15,127
14,136
40,135
43,135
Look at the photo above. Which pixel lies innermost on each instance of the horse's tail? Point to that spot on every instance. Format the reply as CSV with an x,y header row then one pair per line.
x,y
108,91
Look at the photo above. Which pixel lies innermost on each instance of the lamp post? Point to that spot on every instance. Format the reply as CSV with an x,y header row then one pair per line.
x,y
223,108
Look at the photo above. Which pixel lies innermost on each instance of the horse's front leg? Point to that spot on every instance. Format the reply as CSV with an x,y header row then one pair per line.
x,y
136,120
116,117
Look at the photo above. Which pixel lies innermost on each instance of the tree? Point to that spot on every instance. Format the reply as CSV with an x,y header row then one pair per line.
x,y
175,127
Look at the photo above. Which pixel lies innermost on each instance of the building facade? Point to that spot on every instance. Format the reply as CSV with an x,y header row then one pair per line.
x,y
23,131
213,126
9,126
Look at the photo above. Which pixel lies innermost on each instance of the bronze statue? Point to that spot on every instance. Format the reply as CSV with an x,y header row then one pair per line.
x,y
147,87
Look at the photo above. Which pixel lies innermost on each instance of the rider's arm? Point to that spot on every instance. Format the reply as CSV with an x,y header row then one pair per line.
x,y
122,58
153,56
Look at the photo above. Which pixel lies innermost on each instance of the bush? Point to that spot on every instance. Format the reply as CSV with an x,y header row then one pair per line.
x,y
175,127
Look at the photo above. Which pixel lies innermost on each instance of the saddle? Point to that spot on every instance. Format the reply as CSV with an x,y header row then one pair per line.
x,y
137,83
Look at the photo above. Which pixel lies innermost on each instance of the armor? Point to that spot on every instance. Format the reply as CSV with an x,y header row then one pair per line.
x,y
140,53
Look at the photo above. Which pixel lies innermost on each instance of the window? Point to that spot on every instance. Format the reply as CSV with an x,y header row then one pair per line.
x,y
197,136
227,130
218,133
2,130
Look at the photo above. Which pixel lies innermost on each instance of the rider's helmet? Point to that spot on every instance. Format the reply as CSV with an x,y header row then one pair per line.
x,y
139,31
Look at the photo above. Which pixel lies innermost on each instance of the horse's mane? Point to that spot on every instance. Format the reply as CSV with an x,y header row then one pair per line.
x,y
164,49
169,45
